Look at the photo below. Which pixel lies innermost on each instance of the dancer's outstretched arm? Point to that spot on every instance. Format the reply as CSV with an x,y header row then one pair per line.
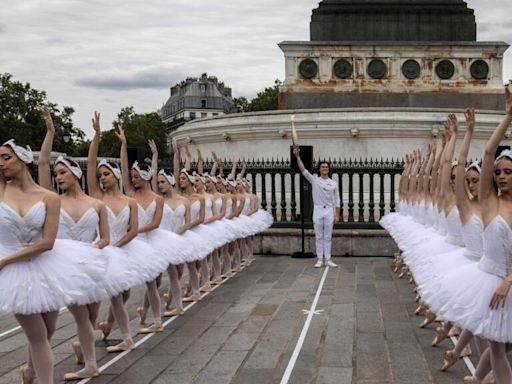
x,y
448,156
233,168
43,166
428,169
92,180
125,170
242,172
154,166
461,195
188,157
176,158
200,162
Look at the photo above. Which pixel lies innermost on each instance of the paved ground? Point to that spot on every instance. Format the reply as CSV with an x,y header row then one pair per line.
x,y
246,330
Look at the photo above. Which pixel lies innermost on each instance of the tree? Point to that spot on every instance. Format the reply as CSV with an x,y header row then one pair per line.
x,y
20,119
266,100
241,104
139,128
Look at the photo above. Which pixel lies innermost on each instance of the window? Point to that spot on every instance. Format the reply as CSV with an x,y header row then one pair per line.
x,y
215,114
204,114
203,103
192,115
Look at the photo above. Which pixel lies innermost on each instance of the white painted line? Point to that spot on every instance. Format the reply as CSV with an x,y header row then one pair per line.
x,y
302,337
16,329
466,359
150,335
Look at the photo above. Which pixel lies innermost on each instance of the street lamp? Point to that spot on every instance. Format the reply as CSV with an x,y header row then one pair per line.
x,y
66,136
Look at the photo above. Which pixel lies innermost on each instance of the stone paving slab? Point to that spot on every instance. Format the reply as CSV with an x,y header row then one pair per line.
x,y
246,330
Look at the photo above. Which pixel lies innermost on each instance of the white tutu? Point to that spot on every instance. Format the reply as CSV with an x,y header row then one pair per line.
x,y
150,262
122,271
171,246
202,247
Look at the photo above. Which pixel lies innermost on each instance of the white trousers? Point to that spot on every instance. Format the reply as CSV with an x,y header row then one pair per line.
x,y
323,222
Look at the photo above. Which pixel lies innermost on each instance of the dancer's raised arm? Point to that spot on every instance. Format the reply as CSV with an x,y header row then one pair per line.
x,y
176,157
92,179
200,162
461,195
188,157
242,172
154,166
428,169
43,165
125,169
487,195
448,155
232,175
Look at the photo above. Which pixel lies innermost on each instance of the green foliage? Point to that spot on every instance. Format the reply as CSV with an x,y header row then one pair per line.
x,y
266,100
241,104
139,128
20,118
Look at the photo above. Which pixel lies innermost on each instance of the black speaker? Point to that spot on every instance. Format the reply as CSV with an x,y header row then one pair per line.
x,y
500,149
306,155
135,153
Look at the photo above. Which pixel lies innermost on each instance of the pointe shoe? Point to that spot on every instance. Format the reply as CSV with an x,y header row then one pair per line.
x,y
466,352
217,281
167,300
105,329
402,272
440,336
27,374
449,361
428,319
191,298
455,331
77,350
174,312
124,346
142,314
238,269
155,328
418,298
415,290
206,288
473,380
79,376
420,309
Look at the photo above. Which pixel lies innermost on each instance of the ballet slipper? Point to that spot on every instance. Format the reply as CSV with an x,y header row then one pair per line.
x,y
429,318
167,300
439,319
421,308
188,299
27,374
142,314
466,352
440,336
83,374
105,329
455,331
411,280
217,281
418,298
77,350
122,347
155,328
174,312
402,272
238,269
472,380
415,290
449,360
206,288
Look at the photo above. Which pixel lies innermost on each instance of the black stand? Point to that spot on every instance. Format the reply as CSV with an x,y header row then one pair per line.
x,y
302,254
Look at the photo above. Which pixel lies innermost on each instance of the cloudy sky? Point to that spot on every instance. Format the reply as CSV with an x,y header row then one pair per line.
x,y
103,55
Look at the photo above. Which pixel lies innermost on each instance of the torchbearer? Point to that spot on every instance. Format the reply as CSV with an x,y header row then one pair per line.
x,y
326,201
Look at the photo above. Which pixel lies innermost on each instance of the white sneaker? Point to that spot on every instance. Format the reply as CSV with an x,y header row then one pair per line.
x,y
318,264
329,263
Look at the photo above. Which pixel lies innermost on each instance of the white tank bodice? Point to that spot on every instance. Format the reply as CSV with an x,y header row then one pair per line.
x,y
229,207
454,228
146,215
208,208
194,210
247,206
173,219
85,229
17,232
118,224
218,204
472,234
497,256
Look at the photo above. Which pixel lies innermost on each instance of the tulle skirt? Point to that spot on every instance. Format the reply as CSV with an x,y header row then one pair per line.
x,y
149,261
70,273
122,271
201,246
171,246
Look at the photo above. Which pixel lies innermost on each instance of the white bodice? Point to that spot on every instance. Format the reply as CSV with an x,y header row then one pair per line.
x,y
85,229
195,208
173,219
208,208
472,234
17,232
247,206
454,228
118,224
497,256
229,207
146,215
218,205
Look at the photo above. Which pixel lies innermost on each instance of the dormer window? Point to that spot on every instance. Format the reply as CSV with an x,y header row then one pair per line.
x,y
203,103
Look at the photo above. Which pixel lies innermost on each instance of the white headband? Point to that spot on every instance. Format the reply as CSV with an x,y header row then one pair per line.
x,y
145,175
200,177
75,169
190,177
232,182
224,181
211,177
169,178
24,154
115,170
474,165
505,153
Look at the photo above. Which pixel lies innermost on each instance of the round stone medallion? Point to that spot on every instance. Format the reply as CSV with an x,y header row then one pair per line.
x,y
445,69
479,69
377,69
308,68
342,69
411,69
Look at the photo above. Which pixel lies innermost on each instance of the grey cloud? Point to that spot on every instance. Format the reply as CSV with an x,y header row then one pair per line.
x,y
145,78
